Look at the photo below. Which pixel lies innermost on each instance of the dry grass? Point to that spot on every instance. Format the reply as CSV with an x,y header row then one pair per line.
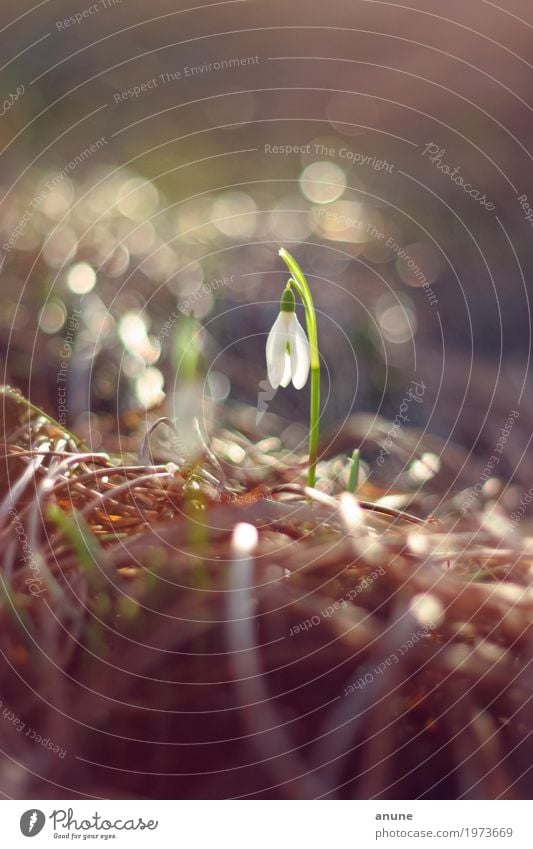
x,y
133,640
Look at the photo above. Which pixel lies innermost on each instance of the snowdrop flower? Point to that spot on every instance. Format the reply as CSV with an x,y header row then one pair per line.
x,y
287,347
292,355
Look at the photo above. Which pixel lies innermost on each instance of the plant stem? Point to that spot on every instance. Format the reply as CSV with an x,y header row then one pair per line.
x,y
302,287
354,471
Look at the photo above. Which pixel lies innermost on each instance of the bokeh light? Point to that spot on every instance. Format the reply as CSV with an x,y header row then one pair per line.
x,y
322,182
52,316
81,278
234,214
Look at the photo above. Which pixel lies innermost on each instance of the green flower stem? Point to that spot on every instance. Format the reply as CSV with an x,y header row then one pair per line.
x,y
354,471
302,287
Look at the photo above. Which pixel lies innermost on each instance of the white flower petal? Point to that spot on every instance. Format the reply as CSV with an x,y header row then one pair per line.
x,y
287,371
300,358
276,348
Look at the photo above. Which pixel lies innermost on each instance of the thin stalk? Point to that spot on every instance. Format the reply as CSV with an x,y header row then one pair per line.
x,y
354,471
302,287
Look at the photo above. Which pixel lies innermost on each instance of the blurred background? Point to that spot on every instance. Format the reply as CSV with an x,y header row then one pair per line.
x,y
154,159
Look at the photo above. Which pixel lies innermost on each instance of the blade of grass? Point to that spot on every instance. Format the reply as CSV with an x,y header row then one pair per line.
x,y
353,480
